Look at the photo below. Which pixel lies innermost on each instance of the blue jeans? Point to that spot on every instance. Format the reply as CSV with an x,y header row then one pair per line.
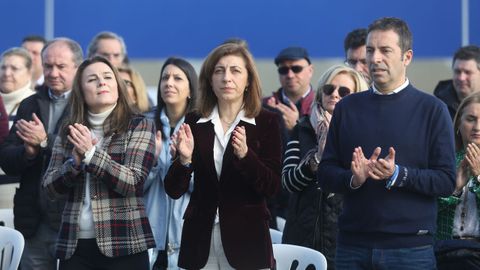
x,y
352,258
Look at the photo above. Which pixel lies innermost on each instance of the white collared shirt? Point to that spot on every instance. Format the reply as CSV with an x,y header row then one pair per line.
x,y
396,90
221,137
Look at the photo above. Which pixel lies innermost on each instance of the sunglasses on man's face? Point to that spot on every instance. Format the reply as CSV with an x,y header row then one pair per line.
x,y
284,70
342,90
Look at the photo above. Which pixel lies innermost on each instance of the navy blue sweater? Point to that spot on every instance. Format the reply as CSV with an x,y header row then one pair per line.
x,y
419,128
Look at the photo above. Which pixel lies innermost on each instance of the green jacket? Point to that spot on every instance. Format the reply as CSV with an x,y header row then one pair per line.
x,y
447,206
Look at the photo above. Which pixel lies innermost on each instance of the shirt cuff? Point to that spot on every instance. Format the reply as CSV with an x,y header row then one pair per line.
x,y
393,178
89,155
351,184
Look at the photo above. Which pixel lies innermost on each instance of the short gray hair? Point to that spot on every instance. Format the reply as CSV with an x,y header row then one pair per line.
x,y
71,44
93,46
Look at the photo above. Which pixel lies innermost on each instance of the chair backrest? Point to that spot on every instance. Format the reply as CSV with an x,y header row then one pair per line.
x,y
280,223
298,257
6,217
11,248
276,236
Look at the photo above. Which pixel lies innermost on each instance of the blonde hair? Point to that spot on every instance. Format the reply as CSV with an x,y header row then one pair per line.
x,y
470,99
329,74
139,89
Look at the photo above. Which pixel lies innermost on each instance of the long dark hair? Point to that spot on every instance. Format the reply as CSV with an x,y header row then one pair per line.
x,y
192,77
116,122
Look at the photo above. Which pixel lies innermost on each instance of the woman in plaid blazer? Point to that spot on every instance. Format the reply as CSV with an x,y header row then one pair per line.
x,y
99,163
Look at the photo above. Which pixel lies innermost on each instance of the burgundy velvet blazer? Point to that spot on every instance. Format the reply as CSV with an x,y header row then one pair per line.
x,y
240,195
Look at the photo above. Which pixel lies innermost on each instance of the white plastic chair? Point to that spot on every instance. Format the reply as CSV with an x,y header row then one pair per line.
x,y
298,257
11,248
6,216
280,223
276,236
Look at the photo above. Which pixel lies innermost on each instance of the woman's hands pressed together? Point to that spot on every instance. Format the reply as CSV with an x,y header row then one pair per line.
x,y
472,158
82,139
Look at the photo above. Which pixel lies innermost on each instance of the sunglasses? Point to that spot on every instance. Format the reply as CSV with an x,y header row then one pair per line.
x,y
343,91
295,69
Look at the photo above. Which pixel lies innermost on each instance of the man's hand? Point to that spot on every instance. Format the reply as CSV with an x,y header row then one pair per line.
x,y
361,166
383,168
290,113
32,133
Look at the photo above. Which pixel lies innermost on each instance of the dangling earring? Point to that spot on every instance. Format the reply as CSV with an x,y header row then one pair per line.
x,y
246,89
458,132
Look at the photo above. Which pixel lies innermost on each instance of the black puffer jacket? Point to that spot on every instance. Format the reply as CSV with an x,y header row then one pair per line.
x,y
312,214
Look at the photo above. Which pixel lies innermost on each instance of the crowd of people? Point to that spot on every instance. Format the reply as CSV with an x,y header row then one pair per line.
x,y
365,168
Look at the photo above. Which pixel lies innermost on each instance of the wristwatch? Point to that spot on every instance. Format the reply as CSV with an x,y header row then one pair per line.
x,y
44,143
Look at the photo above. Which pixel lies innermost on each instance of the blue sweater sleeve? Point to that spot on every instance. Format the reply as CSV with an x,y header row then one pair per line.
x,y
439,178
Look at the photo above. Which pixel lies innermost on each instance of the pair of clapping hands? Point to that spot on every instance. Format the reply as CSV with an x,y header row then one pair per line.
x,y
469,166
182,143
33,133
374,167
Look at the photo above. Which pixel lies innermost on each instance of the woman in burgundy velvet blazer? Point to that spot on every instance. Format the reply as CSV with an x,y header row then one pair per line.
x,y
233,149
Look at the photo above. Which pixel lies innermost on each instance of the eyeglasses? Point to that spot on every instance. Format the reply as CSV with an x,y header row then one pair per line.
x,y
284,70
354,62
343,91
128,83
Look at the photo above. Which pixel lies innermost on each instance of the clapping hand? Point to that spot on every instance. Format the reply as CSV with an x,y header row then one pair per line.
x,y
158,143
375,168
383,168
472,157
182,144
239,142
290,113
82,139
32,133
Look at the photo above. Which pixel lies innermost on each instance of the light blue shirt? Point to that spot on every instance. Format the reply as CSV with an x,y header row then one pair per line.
x,y
164,213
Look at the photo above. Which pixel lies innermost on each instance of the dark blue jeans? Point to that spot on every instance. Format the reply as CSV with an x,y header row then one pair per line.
x,y
353,258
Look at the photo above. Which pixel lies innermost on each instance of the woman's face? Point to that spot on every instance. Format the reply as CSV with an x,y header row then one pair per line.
x,y
100,87
174,86
13,73
470,124
125,76
340,80
229,79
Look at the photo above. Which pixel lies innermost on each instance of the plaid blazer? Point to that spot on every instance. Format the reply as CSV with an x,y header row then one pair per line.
x,y
117,170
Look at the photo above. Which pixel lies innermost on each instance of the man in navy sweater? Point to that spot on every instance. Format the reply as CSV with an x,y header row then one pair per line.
x,y
390,150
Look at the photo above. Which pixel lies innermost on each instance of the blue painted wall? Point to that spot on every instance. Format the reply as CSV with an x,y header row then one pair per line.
x,y
191,28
